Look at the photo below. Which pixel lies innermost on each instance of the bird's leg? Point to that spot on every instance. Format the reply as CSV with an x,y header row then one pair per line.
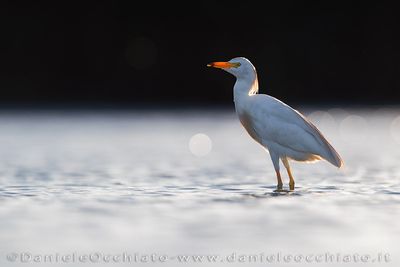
x,y
287,166
291,181
280,184
275,161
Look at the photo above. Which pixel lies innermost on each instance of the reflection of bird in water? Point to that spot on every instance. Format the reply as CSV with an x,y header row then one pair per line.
x,y
282,130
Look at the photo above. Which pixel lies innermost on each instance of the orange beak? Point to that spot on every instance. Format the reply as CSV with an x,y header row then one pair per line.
x,y
223,65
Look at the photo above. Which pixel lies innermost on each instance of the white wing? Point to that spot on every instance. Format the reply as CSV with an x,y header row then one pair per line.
x,y
276,122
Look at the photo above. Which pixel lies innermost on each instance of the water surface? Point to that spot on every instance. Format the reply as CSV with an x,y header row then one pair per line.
x,y
126,182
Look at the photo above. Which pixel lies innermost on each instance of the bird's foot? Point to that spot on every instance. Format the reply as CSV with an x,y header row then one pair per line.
x,y
279,188
281,191
291,186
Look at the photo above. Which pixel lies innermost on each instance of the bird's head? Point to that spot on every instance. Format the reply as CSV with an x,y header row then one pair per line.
x,y
240,67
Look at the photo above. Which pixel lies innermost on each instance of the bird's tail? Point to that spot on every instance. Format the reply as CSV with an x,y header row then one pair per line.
x,y
332,156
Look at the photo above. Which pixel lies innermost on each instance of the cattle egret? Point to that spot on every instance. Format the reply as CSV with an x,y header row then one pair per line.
x,y
280,129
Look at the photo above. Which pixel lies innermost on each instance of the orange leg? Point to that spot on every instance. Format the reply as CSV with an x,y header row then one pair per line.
x,y
287,166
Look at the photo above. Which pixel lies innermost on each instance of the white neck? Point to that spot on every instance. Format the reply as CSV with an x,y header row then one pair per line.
x,y
245,87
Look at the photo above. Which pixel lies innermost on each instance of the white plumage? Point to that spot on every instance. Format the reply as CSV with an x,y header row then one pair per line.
x,y
284,131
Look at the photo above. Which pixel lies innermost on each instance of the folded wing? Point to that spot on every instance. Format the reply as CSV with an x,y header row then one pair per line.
x,y
276,122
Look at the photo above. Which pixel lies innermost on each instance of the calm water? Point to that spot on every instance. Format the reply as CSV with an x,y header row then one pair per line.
x,y
126,184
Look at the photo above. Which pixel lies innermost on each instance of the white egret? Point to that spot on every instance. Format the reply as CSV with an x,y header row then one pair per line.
x,y
280,129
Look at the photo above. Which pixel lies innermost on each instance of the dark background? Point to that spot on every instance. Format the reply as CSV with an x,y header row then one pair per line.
x,y
113,53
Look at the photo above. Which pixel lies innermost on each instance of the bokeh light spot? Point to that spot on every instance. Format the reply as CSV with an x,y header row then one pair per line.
x,y
323,120
353,129
395,129
141,53
200,145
